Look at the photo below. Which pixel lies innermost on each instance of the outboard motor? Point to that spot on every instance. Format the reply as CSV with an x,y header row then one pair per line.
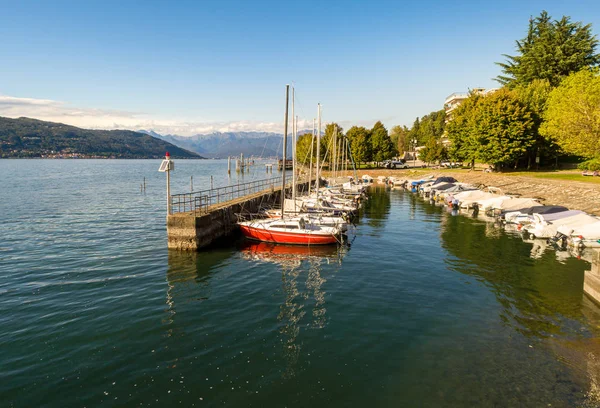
x,y
559,241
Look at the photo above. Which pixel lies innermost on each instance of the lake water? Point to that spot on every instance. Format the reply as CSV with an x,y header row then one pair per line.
x,y
424,309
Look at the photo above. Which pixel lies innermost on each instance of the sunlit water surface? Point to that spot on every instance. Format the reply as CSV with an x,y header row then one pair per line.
x,y
424,309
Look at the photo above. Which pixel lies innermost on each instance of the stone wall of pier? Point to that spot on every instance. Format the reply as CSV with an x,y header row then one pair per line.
x,y
591,279
189,231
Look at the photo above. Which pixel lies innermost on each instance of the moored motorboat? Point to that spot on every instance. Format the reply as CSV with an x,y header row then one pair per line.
x,y
547,227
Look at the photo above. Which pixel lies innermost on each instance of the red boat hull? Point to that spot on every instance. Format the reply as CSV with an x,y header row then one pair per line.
x,y
278,237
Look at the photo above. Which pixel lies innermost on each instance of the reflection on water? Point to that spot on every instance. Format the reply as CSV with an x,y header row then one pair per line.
x,y
188,277
379,206
290,314
302,281
540,298
535,294
290,254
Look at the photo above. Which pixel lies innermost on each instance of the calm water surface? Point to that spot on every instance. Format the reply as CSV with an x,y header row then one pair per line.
x,y
425,309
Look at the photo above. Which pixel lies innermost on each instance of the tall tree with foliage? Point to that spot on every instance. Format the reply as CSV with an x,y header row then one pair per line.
x,y
383,149
414,132
464,146
504,128
433,151
304,150
399,136
429,126
496,128
360,144
331,130
551,50
572,117
535,95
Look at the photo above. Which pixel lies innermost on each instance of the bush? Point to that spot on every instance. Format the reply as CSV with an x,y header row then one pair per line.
x,y
592,165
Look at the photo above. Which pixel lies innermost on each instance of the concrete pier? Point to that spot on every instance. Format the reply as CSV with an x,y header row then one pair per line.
x,y
591,279
189,231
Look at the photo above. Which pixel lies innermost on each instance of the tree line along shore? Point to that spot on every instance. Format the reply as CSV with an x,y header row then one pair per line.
x,y
546,110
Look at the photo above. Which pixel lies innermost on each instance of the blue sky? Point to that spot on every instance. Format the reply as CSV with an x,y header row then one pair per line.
x,y
186,67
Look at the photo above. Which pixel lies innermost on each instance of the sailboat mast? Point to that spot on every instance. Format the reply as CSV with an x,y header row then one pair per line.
x,y
312,149
334,153
294,129
345,154
318,146
285,130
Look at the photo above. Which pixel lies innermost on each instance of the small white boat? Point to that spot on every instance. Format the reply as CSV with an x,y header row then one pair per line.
x,y
366,179
585,236
547,227
469,199
525,216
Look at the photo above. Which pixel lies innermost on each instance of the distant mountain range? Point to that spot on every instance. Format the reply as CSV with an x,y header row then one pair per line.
x,y
25,137
221,145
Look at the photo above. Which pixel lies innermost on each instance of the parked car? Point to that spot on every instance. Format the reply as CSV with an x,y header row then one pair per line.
x,y
450,165
395,164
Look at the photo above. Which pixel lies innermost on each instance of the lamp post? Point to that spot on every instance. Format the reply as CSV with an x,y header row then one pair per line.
x,y
414,152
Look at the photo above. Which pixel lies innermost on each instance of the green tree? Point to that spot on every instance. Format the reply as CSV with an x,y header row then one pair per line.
x,y
331,129
303,149
433,151
463,143
399,137
414,133
572,116
360,144
535,95
496,129
551,50
383,149
429,126
504,128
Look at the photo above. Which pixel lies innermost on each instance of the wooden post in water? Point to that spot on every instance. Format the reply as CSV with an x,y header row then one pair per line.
x,y
191,184
229,165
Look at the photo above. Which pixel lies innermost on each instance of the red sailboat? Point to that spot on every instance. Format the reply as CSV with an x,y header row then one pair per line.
x,y
295,231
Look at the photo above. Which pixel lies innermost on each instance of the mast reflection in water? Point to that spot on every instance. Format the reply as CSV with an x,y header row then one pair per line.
x,y
302,281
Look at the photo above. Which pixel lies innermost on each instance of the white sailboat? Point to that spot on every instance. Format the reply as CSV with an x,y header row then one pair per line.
x,y
290,230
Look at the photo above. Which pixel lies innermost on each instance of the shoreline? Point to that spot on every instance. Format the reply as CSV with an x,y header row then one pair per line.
x,y
575,195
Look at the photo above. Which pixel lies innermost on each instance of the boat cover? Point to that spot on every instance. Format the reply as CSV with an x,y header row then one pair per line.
x,y
516,203
556,216
588,231
445,180
474,195
544,209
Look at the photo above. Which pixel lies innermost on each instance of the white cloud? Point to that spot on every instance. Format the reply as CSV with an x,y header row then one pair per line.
x,y
55,111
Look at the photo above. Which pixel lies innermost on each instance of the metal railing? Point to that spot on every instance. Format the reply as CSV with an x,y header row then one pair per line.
x,y
199,201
